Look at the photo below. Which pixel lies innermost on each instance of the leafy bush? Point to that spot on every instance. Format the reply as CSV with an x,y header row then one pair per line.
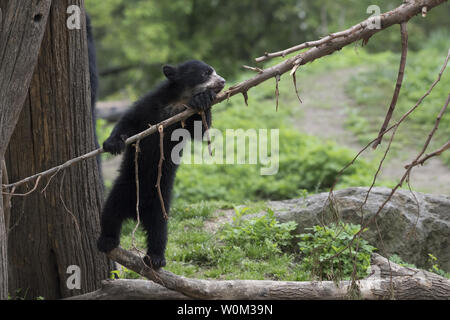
x,y
262,235
329,253
245,249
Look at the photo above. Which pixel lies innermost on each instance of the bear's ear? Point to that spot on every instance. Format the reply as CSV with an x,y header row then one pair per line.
x,y
170,72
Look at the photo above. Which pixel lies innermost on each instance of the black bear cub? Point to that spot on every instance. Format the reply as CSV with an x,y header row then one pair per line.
x,y
192,83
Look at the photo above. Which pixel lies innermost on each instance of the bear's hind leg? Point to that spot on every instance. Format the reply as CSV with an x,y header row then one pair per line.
x,y
156,226
118,207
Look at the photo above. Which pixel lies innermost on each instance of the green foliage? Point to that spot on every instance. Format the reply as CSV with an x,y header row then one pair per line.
x,y
264,233
330,254
398,260
432,260
256,247
103,130
124,273
248,248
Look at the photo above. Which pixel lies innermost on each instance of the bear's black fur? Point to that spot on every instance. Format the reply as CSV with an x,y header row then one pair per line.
x,y
192,83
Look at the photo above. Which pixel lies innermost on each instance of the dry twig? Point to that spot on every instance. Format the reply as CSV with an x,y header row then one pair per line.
x,y
398,85
136,179
160,164
205,124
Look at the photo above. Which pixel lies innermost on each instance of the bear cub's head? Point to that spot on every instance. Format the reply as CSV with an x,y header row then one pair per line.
x,y
194,76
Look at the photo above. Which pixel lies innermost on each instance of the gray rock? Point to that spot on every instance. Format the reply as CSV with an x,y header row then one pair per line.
x,y
406,229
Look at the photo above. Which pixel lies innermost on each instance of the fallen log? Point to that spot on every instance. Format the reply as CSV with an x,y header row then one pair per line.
x,y
387,281
131,289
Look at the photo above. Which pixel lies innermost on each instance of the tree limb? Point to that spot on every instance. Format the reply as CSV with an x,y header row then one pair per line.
x,y
407,283
438,152
398,85
400,15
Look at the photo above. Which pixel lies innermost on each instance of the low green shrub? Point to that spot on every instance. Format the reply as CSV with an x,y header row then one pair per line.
x,y
329,253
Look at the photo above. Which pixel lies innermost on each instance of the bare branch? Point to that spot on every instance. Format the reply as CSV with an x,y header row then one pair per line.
x,y
136,179
398,85
158,181
205,124
438,152
256,69
277,91
396,16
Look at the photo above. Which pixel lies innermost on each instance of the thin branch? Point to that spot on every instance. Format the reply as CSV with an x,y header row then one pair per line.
x,y
438,152
6,198
49,180
158,181
245,95
398,85
294,80
12,193
401,14
309,44
277,91
256,69
431,134
136,178
205,124
64,204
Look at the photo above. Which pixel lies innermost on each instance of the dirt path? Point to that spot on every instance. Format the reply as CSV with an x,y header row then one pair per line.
x,y
324,115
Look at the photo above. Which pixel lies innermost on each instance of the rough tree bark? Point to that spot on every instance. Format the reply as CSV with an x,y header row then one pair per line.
x,y
22,26
57,228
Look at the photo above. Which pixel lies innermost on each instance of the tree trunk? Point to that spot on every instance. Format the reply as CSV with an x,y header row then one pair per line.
x,y
3,251
22,25
56,228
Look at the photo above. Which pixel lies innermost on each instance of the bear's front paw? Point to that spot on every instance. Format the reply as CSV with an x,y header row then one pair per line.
x,y
155,261
203,100
114,145
106,244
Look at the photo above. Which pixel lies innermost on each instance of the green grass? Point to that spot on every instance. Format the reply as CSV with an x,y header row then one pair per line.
x,y
229,253
255,247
